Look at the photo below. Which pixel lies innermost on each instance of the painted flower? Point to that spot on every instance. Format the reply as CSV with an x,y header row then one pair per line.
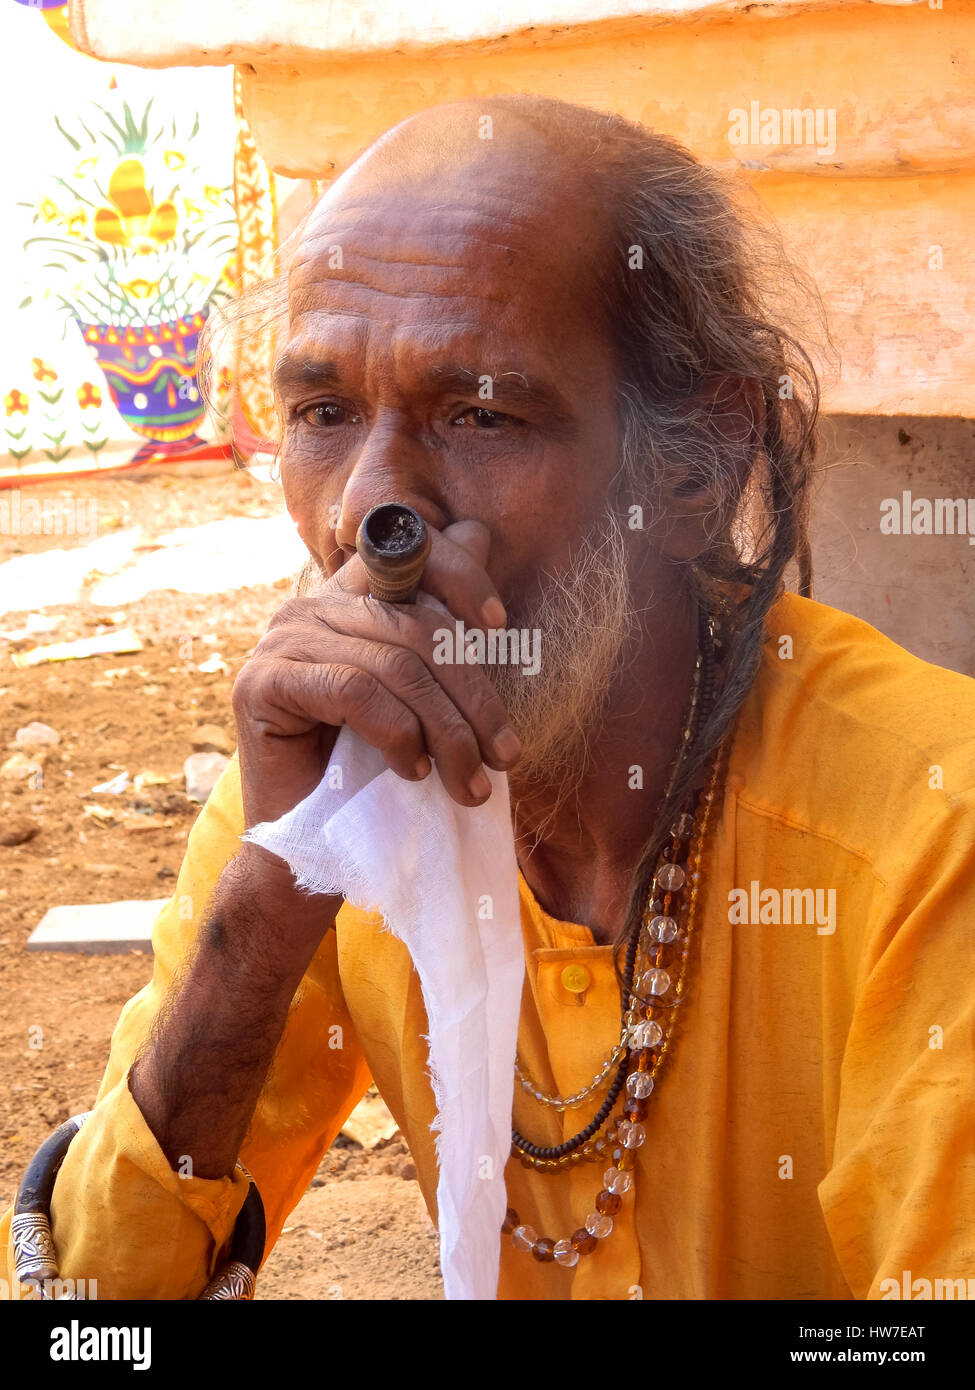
x,y
43,371
174,159
89,395
49,210
213,194
85,167
16,400
134,221
76,222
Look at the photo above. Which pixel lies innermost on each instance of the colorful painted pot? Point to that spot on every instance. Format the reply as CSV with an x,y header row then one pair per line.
x,y
151,374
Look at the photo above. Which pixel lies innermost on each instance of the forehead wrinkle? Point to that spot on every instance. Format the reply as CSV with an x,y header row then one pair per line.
x,y
479,206
417,294
410,240
415,257
395,226
357,255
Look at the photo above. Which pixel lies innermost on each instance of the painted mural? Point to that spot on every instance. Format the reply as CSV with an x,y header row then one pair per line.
x,y
134,246
120,240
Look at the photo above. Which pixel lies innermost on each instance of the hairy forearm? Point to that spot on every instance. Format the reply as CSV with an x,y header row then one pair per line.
x,y
198,1081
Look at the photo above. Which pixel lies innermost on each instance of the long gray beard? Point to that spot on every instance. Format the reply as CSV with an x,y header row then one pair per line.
x,y
586,620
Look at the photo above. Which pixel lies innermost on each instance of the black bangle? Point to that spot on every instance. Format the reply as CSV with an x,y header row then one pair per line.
x,y
35,1259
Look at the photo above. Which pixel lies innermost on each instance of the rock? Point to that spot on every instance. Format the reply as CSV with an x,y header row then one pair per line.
x,y
201,771
36,735
407,1170
150,779
17,830
370,1123
36,622
97,928
136,825
215,665
19,768
115,786
210,738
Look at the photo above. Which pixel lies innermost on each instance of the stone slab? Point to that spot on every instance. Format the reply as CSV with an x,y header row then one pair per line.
x,y
97,928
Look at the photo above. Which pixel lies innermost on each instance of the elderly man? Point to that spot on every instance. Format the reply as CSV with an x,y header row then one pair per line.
x,y
547,331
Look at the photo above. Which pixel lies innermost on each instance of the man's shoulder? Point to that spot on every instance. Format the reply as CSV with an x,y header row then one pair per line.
x,y
840,665
855,735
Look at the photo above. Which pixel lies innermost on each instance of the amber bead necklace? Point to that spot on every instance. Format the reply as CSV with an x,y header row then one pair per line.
x,y
655,967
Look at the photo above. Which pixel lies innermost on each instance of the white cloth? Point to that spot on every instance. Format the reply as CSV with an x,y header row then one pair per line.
x,y
445,879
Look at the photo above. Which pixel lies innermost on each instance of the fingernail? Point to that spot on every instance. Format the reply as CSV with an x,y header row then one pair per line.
x,y
493,613
506,745
423,767
479,786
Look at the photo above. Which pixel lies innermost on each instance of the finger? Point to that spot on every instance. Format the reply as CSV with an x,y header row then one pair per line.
x,y
419,631
285,691
455,574
448,735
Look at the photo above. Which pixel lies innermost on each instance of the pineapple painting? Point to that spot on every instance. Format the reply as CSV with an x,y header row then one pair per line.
x,y
135,247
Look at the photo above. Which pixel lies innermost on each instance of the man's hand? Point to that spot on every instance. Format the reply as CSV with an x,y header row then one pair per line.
x,y
338,658
342,657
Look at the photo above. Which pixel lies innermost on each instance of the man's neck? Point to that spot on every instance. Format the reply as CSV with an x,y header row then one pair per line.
x,y
579,853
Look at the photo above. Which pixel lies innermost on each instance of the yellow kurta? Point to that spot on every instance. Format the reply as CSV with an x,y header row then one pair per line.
x,y
811,1132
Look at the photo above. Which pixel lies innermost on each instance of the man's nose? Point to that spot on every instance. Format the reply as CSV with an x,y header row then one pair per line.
x,y
391,467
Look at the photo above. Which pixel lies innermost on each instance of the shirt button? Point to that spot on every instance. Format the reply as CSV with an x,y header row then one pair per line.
x,y
576,978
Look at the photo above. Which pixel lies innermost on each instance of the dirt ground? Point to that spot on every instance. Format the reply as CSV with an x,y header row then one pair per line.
x,y
361,1230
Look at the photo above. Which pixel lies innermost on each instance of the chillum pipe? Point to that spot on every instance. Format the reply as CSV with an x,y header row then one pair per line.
x,y
393,543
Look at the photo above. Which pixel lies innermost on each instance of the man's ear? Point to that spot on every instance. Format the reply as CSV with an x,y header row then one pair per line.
x,y
696,502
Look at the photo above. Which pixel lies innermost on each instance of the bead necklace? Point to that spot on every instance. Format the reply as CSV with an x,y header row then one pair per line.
x,y
619,1051
659,948
669,878
650,1043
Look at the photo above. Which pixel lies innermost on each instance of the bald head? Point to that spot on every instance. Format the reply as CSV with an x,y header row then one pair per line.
x,y
524,148
499,179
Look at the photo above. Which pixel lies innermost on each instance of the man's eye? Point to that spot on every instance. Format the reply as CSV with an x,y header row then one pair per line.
x,y
327,415
483,419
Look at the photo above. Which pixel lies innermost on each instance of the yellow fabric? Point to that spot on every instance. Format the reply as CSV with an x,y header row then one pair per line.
x,y
845,1058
